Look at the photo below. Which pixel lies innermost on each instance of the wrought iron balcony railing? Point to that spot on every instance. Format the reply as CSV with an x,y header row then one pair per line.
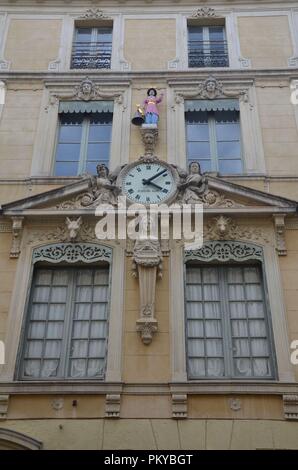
x,y
91,55
208,54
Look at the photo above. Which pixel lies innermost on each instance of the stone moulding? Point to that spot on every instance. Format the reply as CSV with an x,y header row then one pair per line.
x,y
225,251
72,253
112,409
179,406
4,401
290,406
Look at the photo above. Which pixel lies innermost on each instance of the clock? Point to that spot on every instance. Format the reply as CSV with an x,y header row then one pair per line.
x,y
149,182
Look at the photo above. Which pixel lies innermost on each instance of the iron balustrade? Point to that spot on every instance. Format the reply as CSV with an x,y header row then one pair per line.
x,y
91,55
208,54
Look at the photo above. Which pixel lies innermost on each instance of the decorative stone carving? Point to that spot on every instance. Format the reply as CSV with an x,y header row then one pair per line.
x,y
290,406
94,14
57,404
4,401
5,227
235,404
60,234
147,266
204,12
72,253
179,406
5,65
17,229
104,189
192,185
73,226
112,406
225,228
280,230
87,90
212,89
225,251
149,138
214,199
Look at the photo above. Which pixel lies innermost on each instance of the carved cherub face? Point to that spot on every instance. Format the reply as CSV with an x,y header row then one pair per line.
x,y
210,86
149,139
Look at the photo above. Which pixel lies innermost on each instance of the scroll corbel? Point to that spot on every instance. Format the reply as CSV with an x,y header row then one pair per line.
x,y
17,230
280,230
147,267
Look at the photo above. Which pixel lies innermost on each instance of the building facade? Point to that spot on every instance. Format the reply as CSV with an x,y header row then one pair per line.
x,y
111,344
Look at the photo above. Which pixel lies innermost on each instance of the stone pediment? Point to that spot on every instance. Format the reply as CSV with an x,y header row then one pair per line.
x,y
80,198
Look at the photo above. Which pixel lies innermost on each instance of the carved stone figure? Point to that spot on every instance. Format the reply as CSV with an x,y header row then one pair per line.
x,y
104,189
86,90
210,88
73,227
193,186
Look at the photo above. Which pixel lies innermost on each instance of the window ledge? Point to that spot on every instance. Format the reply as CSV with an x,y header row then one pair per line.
x,y
60,387
270,387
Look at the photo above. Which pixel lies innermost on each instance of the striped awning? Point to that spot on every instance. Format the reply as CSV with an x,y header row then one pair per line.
x,y
86,106
211,105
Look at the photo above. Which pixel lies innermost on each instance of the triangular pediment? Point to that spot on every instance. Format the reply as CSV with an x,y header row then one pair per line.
x,y
222,196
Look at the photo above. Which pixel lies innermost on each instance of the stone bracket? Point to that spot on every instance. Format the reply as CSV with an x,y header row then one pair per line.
x,y
4,401
149,133
112,406
290,406
17,230
179,406
280,230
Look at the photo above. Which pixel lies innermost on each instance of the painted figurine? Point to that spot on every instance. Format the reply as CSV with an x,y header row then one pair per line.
x,y
150,106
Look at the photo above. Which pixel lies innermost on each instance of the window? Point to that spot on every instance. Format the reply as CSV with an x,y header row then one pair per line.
x,y
92,48
213,135
83,140
207,46
227,325
66,334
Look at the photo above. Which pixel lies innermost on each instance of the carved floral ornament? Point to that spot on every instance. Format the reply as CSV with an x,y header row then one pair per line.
x,y
87,90
225,228
94,14
204,12
211,89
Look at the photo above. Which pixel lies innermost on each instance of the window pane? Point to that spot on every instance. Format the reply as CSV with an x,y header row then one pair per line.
x,y
66,169
193,117
83,34
99,133
197,150
226,117
199,132
70,134
68,153
98,152
216,33
228,150
227,131
230,166
205,165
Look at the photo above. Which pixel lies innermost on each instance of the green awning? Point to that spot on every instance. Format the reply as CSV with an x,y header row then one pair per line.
x,y
211,105
86,106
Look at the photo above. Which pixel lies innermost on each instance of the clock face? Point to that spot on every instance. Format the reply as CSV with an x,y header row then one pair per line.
x,y
149,183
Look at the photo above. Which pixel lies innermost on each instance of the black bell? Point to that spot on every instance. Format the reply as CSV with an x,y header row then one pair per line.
x,y
138,119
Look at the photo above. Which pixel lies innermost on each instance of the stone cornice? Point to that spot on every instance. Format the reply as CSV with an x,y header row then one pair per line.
x,y
191,388
124,78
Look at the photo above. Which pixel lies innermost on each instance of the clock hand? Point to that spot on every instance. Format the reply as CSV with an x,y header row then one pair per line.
x,y
147,182
157,174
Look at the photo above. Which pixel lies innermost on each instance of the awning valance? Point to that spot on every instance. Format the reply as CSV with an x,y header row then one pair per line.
x,y
211,105
86,106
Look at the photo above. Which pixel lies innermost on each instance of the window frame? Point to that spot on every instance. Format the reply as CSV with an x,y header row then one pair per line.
x,y
67,328
206,40
82,162
94,35
213,146
226,328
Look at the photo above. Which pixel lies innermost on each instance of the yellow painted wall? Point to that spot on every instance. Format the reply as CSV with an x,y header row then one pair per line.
x,y
150,44
266,40
32,43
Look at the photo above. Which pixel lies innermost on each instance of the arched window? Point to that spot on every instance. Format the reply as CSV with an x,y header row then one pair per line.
x,y
12,440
